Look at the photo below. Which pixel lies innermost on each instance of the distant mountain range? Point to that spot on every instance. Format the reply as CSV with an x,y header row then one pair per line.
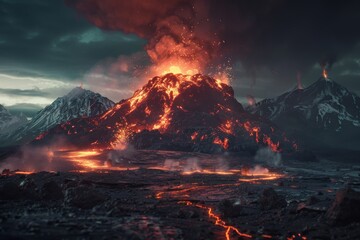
x,y
77,103
323,114
9,122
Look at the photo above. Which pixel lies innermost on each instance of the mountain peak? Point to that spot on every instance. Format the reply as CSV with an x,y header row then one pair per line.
x,y
325,106
77,91
10,122
77,103
2,109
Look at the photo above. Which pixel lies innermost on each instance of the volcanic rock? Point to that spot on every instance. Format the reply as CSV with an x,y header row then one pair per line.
x,y
10,191
269,199
29,187
51,191
345,208
83,197
230,208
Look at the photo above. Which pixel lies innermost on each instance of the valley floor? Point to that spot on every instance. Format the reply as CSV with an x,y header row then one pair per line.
x,y
173,195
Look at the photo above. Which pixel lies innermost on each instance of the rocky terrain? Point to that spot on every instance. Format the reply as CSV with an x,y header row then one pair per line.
x,y
174,195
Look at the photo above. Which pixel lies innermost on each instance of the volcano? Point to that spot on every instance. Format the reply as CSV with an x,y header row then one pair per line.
x,y
321,115
175,112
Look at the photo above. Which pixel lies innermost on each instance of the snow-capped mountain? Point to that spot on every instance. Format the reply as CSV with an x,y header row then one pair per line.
x,y
325,109
77,103
10,122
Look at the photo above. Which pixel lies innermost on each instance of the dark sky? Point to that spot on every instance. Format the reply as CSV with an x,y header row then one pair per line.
x,y
48,47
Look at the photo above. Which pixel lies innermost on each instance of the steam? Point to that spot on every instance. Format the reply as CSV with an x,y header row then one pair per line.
x,y
267,156
251,100
222,165
37,158
256,170
117,78
192,164
121,155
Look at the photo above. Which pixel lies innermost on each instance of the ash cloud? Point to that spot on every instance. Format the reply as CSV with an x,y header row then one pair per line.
x,y
175,30
285,37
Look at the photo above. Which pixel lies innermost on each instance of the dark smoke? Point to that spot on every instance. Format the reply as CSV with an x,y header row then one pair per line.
x,y
283,36
176,30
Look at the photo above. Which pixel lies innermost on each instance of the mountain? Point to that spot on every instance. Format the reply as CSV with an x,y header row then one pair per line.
x,y
323,114
9,122
175,112
77,103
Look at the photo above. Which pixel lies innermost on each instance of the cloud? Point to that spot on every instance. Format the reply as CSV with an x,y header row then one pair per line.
x,y
51,38
25,108
27,92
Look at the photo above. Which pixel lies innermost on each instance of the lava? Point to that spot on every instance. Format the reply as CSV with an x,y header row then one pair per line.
x,y
258,173
325,73
196,109
217,220
298,236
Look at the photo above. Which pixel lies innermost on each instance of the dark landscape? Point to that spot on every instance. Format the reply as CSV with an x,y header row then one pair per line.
x,y
179,119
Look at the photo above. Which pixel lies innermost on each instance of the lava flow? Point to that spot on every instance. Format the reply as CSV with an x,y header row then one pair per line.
x,y
218,220
324,73
175,111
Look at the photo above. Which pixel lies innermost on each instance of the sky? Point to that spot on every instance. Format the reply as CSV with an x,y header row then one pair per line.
x,y
49,47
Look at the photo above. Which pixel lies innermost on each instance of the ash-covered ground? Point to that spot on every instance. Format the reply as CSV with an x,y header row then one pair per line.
x,y
174,195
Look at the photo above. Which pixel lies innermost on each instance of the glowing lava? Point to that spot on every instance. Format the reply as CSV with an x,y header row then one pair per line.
x,y
190,110
217,220
325,73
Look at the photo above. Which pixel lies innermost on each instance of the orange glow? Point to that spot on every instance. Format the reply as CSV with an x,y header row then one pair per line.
x,y
204,171
87,161
324,73
256,132
23,172
258,173
194,135
218,220
297,236
224,143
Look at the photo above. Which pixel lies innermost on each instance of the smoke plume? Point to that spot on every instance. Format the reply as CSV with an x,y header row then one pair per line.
x,y
283,36
266,155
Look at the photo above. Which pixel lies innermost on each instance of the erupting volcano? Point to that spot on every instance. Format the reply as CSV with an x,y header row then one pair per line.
x,y
177,112
176,130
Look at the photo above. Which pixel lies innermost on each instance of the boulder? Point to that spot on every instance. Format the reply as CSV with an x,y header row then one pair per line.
x,y
345,208
269,199
83,197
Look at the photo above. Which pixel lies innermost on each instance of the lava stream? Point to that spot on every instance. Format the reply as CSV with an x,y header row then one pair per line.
x,y
218,220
